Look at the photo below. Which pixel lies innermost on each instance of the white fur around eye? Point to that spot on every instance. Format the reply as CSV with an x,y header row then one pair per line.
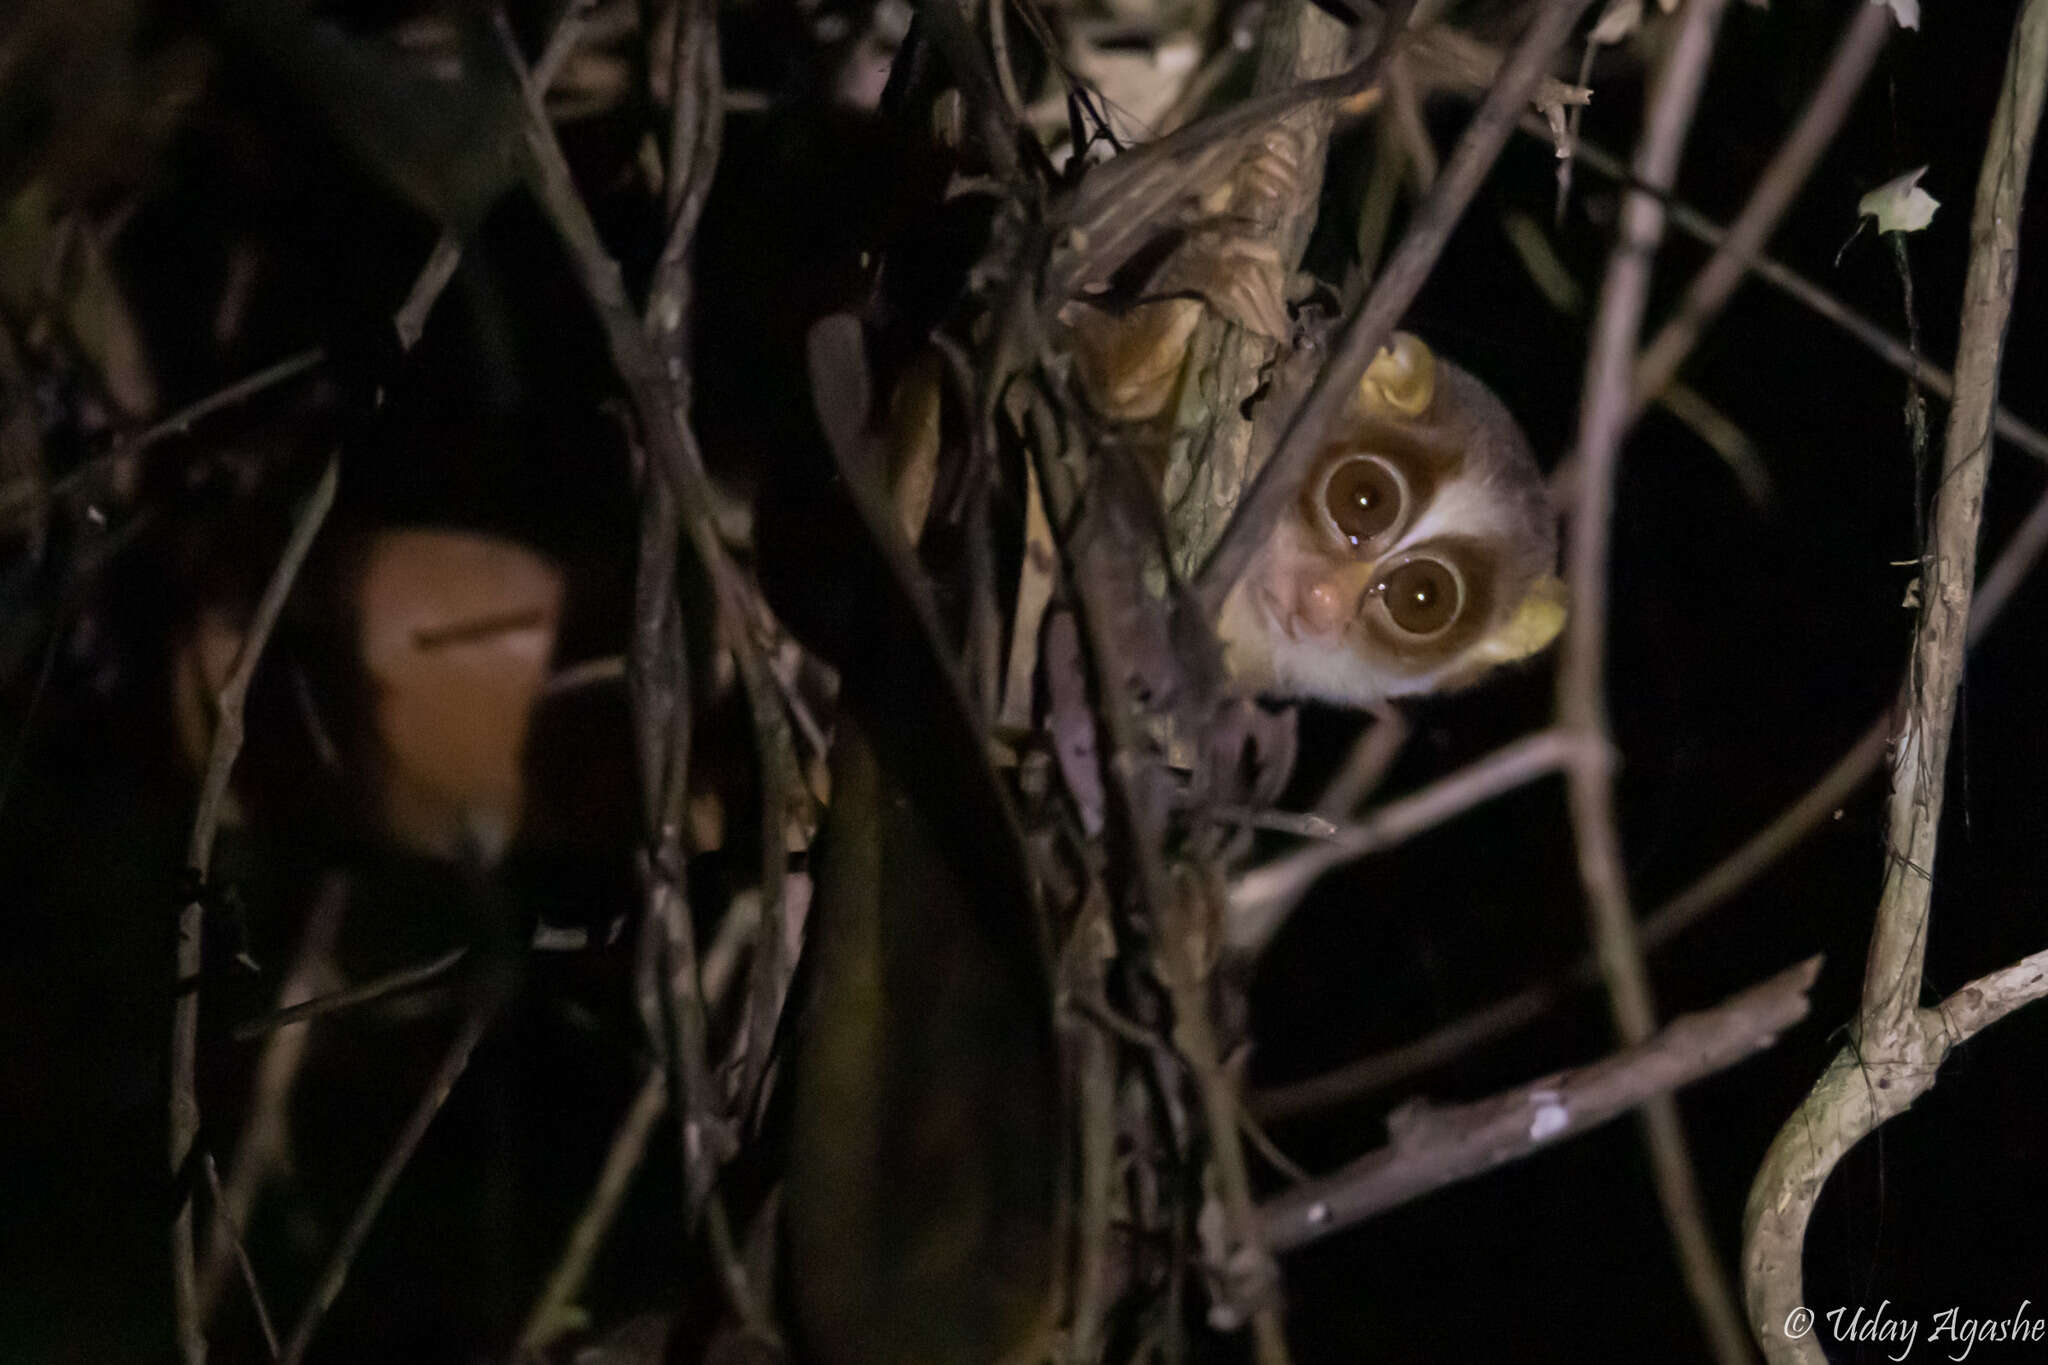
x,y
1461,507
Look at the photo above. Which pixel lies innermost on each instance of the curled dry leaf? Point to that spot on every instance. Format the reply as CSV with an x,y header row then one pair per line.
x,y
1899,205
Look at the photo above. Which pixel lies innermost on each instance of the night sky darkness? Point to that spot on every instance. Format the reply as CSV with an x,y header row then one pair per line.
x,y
1749,647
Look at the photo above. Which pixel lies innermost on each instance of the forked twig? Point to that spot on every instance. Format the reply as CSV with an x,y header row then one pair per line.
x,y
1898,1040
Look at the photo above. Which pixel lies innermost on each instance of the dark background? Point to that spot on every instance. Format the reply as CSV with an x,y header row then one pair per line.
x,y
1749,646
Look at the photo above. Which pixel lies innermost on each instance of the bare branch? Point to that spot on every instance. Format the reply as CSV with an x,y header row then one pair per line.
x,y
621,1163
1371,758
1903,1043
1787,173
1604,416
220,763
378,988
1433,1147
266,1132
224,1217
622,1159
1261,899
1817,300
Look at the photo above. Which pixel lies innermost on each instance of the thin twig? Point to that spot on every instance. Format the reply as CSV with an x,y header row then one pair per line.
x,y
220,762
1775,189
1261,899
1433,1147
999,54
101,468
378,988
1604,413
1085,973
1902,1042
410,322
1372,757
622,1161
266,1132
223,1216
1815,299
475,1023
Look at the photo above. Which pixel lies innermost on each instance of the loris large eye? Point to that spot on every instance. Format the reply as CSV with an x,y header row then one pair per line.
x,y
1363,497
1422,596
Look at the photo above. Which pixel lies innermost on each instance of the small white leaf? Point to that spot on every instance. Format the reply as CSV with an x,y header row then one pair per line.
x,y
1899,205
1907,12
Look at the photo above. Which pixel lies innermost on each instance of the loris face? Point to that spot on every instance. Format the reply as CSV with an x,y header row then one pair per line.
x,y
1419,554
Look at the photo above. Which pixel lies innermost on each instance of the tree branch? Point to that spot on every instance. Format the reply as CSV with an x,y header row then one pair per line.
x,y
1261,899
1604,417
1862,39
1903,1044
220,764
1433,1147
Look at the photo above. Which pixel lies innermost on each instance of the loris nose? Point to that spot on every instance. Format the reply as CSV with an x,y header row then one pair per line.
x,y
1324,606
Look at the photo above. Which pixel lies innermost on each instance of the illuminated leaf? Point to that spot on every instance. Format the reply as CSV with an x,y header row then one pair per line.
x,y
1900,205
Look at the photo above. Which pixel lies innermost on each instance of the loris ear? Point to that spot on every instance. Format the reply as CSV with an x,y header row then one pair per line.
x,y
1533,626
1401,381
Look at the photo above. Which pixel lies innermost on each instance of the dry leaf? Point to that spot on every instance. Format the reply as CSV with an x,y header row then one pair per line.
x,y
1899,205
